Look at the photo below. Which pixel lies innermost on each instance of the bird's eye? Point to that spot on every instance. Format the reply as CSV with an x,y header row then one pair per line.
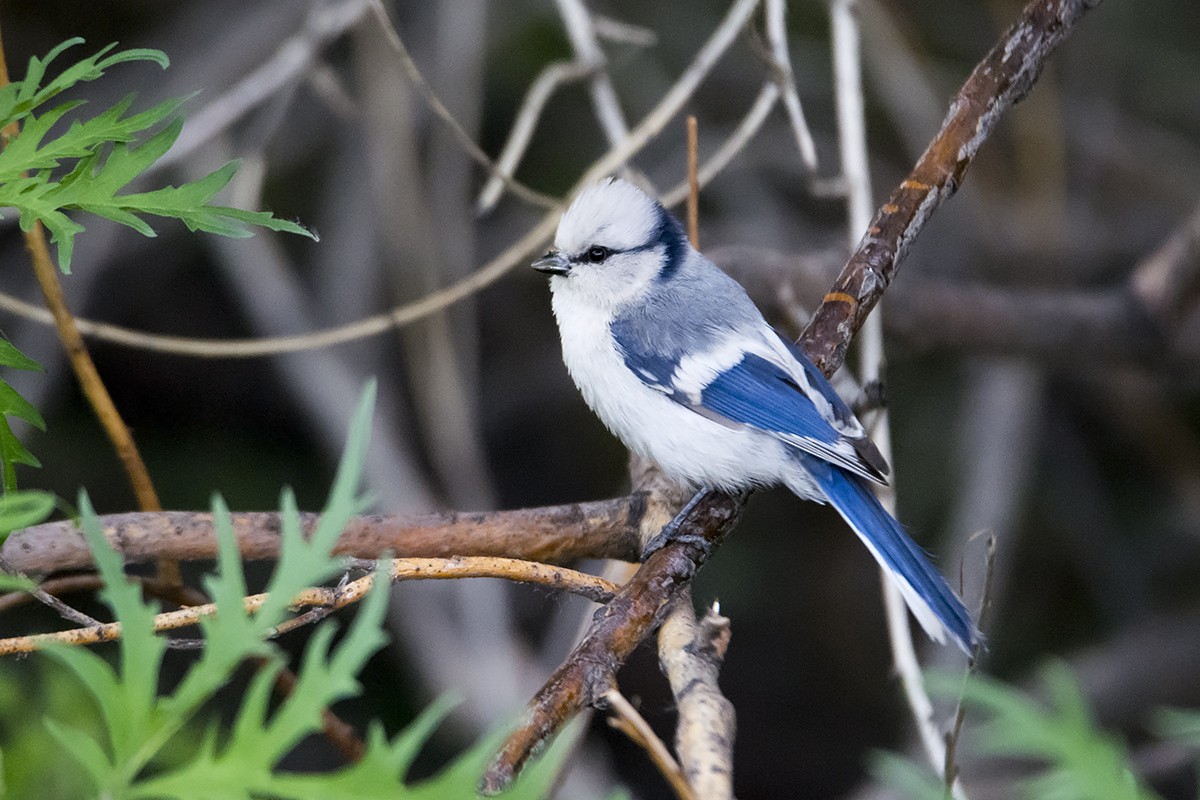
x,y
596,254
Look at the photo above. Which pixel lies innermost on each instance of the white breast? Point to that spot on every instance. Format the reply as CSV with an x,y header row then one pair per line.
x,y
686,445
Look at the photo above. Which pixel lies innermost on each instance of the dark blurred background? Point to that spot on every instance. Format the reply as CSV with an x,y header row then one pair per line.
x,y
1082,458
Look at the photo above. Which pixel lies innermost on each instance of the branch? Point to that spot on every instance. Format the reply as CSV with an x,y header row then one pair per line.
x,y
296,55
1040,323
616,630
330,599
552,534
1004,76
628,721
691,655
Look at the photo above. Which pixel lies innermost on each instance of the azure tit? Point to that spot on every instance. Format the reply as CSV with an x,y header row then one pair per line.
x,y
677,361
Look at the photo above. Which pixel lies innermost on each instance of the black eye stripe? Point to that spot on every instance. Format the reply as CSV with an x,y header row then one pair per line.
x,y
595,254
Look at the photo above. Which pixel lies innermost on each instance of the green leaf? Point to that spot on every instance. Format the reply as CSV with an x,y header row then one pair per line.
x,y
15,583
87,166
10,356
127,703
127,759
1180,725
1082,761
22,509
907,777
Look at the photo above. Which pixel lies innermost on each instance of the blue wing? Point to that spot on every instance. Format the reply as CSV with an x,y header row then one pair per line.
x,y
760,393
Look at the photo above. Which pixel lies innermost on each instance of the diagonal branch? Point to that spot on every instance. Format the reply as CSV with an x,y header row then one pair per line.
x,y
1001,79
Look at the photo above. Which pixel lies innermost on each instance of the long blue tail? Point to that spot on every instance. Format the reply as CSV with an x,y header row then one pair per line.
x,y
931,600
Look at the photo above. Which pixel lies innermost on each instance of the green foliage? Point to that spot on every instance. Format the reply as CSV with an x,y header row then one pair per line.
x,y
12,452
86,166
1179,725
49,167
1081,761
18,509
128,753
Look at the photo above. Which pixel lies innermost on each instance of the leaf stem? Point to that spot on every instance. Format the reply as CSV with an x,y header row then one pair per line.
x,y
86,373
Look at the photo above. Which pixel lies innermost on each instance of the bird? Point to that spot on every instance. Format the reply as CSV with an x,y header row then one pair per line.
x,y
677,361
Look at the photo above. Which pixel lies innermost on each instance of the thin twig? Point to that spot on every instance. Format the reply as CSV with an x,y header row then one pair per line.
x,y
746,130
582,33
55,586
84,368
494,269
442,113
292,59
856,174
786,81
544,85
400,569
65,611
628,721
693,181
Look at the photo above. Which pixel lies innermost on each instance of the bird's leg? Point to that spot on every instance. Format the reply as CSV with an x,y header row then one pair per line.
x,y
670,531
872,397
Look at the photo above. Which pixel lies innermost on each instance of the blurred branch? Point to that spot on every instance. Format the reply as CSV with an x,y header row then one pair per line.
x,y
1039,323
1167,283
582,33
442,113
552,534
292,59
628,721
691,655
330,599
786,81
544,85
852,141
1004,76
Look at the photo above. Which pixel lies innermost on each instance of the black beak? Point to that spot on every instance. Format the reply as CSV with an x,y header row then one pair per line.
x,y
553,263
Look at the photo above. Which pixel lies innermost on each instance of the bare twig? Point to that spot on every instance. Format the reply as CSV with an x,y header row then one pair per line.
x,y
494,269
786,81
64,610
581,32
628,721
544,85
55,586
616,630
856,174
442,113
400,569
732,146
693,181
292,59
691,656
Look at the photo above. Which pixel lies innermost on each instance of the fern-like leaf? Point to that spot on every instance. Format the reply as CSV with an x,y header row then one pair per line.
x,y
110,151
